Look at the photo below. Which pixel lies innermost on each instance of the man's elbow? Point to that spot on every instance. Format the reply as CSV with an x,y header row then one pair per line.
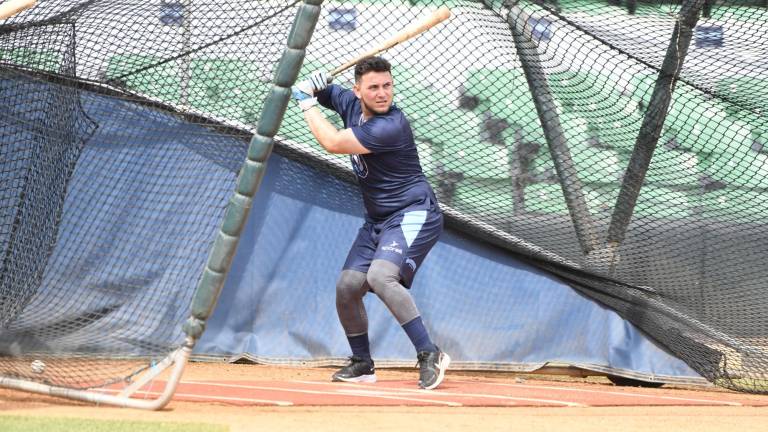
x,y
333,145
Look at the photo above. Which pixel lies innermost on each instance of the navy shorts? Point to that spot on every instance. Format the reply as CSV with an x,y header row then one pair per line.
x,y
404,239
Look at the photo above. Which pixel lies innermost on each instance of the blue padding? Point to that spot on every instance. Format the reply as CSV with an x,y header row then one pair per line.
x,y
143,205
480,304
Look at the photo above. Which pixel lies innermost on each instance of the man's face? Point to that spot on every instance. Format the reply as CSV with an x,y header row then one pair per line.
x,y
375,91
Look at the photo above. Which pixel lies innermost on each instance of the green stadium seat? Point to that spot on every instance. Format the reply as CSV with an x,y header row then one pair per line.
x,y
294,127
671,167
476,159
160,80
747,93
548,198
660,202
597,165
504,94
48,61
594,166
735,162
612,117
229,88
545,198
733,205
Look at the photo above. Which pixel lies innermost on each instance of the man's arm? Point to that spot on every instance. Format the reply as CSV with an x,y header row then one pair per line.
x,y
333,140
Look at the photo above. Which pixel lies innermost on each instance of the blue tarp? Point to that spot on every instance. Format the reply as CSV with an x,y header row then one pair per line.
x,y
140,214
483,306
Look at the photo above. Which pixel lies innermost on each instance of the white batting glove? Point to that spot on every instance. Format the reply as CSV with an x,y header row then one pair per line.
x,y
319,80
303,96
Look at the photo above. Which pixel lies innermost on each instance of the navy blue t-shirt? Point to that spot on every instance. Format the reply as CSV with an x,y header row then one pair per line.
x,y
390,177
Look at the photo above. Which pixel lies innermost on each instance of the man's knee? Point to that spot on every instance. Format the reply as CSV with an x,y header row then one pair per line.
x,y
383,275
350,286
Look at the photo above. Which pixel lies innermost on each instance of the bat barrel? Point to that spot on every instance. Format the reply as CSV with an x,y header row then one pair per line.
x,y
12,7
438,16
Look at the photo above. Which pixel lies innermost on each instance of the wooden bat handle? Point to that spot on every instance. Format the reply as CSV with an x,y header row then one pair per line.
x,y
12,7
414,29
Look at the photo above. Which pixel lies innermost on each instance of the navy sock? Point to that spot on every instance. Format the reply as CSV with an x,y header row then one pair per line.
x,y
360,346
418,334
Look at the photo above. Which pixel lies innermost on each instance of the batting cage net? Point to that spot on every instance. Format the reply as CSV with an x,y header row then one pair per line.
x,y
619,145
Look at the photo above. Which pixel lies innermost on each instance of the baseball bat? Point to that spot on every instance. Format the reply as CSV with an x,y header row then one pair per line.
x,y
424,24
12,7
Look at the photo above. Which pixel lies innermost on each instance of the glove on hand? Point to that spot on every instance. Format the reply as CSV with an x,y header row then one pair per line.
x,y
319,80
303,95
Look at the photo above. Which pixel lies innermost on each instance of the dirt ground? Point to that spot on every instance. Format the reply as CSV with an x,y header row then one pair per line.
x,y
356,418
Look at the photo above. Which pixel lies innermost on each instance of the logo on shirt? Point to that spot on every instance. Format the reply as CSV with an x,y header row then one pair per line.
x,y
359,165
411,263
393,247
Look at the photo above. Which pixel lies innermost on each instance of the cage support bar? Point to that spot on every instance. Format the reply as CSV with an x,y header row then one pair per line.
x,y
178,359
553,131
252,171
653,122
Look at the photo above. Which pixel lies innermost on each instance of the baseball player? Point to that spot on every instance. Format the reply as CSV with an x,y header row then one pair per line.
x,y
402,218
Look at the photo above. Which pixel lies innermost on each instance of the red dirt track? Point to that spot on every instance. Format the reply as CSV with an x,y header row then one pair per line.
x,y
454,392
248,398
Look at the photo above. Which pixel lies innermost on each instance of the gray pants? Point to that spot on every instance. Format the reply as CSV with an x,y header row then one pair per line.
x,y
383,278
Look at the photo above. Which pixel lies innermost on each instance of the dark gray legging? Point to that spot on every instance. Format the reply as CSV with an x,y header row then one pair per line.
x,y
383,278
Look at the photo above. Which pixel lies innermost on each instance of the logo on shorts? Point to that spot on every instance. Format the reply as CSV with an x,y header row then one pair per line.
x,y
393,248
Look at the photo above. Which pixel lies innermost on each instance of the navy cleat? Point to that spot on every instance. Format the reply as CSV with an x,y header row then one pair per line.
x,y
358,370
432,366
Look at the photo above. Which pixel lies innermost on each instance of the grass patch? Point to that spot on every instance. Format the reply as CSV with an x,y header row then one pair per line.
x,y
54,424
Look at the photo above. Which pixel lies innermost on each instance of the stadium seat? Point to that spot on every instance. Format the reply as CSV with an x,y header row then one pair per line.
x,y
594,166
545,198
746,93
613,119
228,88
160,80
49,61
736,162
733,204
504,94
665,203
673,167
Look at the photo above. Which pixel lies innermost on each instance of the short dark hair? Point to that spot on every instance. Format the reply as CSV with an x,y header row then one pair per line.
x,y
371,64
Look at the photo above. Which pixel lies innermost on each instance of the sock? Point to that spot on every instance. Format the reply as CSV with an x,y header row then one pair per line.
x,y
418,334
360,346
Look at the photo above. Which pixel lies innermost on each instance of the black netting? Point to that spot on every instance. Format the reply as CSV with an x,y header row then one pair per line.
x,y
158,98
678,251
121,136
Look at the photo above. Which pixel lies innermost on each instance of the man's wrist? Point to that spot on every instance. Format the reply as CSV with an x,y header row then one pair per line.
x,y
307,103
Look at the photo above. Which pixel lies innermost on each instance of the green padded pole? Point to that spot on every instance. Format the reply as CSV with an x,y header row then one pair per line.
x,y
553,131
225,245
653,121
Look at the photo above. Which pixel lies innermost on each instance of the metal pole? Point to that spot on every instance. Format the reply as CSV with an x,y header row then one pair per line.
x,y
553,131
651,129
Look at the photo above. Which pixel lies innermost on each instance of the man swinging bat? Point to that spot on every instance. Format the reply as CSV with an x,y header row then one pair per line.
x,y
402,218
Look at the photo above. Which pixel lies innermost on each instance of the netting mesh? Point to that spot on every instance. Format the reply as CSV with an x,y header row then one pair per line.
x,y
161,93
115,170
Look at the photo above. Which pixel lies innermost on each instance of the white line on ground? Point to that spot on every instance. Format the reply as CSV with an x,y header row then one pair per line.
x,y
204,397
638,395
474,395
360,393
